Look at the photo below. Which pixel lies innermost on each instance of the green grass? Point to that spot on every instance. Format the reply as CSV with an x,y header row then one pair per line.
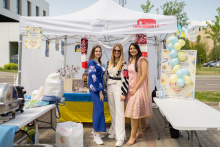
x,y
207,71
208,96
12,71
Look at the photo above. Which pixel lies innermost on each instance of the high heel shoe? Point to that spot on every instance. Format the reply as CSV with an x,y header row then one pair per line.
x,y
140,134
131,143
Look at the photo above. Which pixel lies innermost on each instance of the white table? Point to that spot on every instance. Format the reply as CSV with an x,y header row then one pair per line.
x,y
189,114
21,119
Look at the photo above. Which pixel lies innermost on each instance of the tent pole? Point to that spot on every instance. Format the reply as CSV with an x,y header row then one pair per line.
x,y
65,43
19,59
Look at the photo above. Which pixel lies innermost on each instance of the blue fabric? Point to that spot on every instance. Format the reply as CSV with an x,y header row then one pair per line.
x,y
95,78
7,135
79,97
98,116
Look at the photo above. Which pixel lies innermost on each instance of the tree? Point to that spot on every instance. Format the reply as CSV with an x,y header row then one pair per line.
x,y
177,9
187,45
201,48
214,34
214,53
146,8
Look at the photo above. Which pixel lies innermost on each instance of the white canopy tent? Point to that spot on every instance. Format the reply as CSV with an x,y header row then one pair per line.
x,y
102,18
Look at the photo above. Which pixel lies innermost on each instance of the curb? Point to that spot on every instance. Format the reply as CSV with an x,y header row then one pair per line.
x,y
212,103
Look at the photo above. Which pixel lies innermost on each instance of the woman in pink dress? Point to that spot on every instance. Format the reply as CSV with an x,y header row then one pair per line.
x,y
138,101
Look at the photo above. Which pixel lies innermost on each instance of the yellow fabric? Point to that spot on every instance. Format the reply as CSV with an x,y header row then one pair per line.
x,y
82,112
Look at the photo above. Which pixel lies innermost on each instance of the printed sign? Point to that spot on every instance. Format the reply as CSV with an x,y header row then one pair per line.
x,y
57,44
77,45
62,48
172,89
47,48
99,25
33,37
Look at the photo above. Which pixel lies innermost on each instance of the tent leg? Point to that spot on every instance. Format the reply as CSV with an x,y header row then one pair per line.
x,y
19,59
65,43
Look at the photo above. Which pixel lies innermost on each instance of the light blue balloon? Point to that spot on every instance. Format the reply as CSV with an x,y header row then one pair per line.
x,y
180,73
180,82
173,39
170,46
173,53
174,61
185,71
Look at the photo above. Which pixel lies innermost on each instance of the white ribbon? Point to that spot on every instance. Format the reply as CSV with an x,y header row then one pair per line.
x,y
122,42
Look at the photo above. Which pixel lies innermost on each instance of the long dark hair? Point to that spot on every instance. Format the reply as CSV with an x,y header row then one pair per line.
x,y
92,54
138,55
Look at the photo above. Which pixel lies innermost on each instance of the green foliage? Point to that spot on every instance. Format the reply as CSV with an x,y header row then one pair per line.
x,y
201,48
214,53
146,8
208,96
187,45
0,68
176,8
10,66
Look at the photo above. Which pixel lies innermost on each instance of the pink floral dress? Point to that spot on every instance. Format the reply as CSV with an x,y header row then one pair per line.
x,y
138,105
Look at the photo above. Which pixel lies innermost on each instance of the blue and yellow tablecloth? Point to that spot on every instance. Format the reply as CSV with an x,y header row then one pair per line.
x,y
78,108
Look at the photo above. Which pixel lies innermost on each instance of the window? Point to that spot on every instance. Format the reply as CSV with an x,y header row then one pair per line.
x,y
18,6
44,13
6,4
37,11
28,8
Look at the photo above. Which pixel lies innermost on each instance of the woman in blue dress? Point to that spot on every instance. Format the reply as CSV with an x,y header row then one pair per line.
x,y
96,88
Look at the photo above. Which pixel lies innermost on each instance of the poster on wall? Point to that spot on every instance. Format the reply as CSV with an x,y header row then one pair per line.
x,y
57,44
47,48
33,37
159,59
77,45
62,47
172,89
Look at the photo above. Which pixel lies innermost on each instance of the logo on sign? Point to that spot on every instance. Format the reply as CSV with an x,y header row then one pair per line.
x,y
98,25
146,23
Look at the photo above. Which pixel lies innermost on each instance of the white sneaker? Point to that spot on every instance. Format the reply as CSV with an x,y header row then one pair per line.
x,y
119,143
93,132
111,136
97,139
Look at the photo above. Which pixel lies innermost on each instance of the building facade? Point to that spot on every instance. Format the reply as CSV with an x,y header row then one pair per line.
x,y
10,12
193,33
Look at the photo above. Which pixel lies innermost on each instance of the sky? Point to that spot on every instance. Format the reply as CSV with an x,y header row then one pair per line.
x,y
198,11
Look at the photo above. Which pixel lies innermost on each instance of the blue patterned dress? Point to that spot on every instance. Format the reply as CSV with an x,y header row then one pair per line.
x,y
96,84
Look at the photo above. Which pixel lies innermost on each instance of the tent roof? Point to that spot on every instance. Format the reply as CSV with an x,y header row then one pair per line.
x,y
105,17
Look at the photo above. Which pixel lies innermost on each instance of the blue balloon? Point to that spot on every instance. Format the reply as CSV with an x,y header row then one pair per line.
x,y
180,82
173,39
170,46
180,73
174,61
185,71
173,53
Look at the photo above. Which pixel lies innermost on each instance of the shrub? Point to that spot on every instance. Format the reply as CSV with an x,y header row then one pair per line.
x,y
0,68
11,66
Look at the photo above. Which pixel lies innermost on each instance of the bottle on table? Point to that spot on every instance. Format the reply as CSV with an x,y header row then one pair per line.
x,y
161,92
164,91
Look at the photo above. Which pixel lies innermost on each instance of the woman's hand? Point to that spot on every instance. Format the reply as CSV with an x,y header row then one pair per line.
x,y
101,96
106,96
133,91
122,97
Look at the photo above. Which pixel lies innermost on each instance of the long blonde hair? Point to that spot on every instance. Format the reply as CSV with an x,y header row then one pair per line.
x,y
121,59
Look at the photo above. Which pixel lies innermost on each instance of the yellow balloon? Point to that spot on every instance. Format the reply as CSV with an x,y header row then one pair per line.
x,y
181,42
188,80
181,56
175,68
184,77
177,46
173,78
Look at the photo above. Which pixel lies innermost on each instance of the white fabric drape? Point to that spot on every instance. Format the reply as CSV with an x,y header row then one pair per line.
x,y
122,42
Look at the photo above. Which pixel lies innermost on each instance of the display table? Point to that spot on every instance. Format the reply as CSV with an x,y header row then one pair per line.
x,y
188,114
79,107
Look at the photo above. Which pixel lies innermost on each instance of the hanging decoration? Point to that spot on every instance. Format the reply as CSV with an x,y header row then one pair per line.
x,y
180,75
47,48
84,47
141,40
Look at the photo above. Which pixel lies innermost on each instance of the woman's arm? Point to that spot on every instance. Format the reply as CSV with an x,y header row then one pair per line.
x,y
144,74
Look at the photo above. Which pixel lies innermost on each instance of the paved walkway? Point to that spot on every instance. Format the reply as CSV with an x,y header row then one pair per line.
x,y
209,138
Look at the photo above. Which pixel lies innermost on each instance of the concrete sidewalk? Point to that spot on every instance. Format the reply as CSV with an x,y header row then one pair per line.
x,y
202,77
209,138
